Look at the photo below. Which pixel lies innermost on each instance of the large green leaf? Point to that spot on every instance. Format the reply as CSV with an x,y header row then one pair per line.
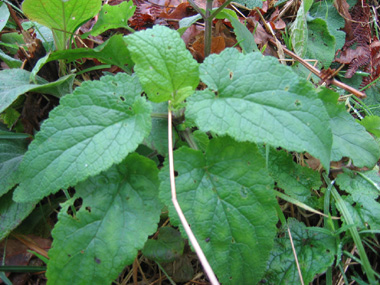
x,y
113,17
166,69
11,154
257,99
62,16
350,139
364,189
12,213
226,195
315,252
93,128
15,82
120,210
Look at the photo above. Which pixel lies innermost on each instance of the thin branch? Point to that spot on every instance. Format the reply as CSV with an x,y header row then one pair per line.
x,y
202,258
295,257
314,70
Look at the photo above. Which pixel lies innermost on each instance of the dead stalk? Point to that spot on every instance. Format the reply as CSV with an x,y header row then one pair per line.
x,y
202,258
295,257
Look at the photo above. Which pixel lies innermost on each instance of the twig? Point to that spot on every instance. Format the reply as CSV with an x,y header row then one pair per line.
x,y
314,70
202,258
295,257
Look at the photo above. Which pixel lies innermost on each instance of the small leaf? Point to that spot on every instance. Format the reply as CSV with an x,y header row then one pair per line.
x,y
260,100
226,195
120,210
10,61
91,129
15,82
4,15
169,70
250,4
315,252
350,139
364,190
112,17
335,22
113,51
167,248
297,181
158,137
243,35
11,154
63,17
371,124
12,213
298,30
320,44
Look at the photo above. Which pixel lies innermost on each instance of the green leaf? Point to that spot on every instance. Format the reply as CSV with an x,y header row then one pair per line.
x,y
113,17
10,61
298,30
350,139
12,213
250,4
63,17
4,15
120,210
226,195
113,51
243,35
15,82
297,181
315,252
371,124
260,100
326,11
91,129
364,188
320,44
167,248
158,137
168,71
11,154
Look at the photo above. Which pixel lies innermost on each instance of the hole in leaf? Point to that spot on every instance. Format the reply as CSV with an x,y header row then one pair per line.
x,y
114,83
195,181
122,98
175,173
106,12
77,204
127,198
97,260
169,47
231,75
297,103
233,240
88,209
207,239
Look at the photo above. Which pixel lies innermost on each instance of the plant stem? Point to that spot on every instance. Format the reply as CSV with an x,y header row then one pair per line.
x,y
208,28
202,258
